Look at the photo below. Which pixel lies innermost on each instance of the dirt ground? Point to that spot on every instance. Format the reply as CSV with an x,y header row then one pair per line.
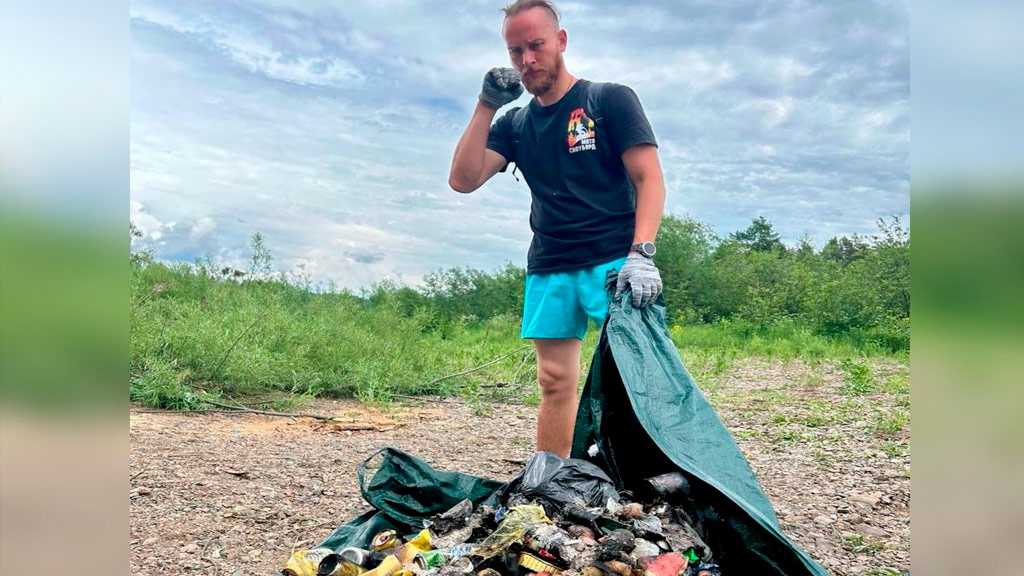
x,y
224,494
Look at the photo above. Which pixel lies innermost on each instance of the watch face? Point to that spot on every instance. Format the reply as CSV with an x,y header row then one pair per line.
x,y
648,248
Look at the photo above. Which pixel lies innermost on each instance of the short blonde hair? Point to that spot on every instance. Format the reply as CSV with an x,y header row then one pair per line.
x,y
524,5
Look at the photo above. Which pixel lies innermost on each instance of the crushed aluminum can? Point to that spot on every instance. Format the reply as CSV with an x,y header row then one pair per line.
x,y
423,540
384,539
356,556
404,553
306,562
430,559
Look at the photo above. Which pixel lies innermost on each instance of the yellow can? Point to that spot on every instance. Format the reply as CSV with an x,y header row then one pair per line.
x,y
388,566
385,539
305,562
423,540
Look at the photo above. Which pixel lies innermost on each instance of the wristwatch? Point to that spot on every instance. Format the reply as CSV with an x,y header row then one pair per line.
x,y
647,249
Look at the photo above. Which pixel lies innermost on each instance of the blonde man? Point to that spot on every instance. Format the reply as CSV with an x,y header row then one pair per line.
x,y
590,159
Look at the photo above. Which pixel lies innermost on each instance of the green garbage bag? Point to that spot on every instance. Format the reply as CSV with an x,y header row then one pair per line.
x,y
646,416
404,491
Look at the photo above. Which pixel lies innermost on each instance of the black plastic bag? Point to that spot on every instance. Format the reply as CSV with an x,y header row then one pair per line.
x,y
561,482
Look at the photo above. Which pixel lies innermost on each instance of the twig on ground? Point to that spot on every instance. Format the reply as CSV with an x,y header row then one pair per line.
x,y
464,372
422,399
240,408
137,474
200,411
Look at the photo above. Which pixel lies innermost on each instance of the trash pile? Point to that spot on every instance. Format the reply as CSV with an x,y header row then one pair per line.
x,y
558,517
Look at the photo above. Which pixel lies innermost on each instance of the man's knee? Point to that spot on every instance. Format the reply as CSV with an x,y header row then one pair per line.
x,y
556,380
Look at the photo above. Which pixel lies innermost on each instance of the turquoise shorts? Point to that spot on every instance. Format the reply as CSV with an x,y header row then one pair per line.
x,y
560,305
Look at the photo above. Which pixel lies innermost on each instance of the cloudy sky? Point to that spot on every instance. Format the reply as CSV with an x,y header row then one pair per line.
x,y
329,126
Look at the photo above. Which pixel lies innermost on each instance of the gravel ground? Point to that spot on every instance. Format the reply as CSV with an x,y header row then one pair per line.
x,y
225,494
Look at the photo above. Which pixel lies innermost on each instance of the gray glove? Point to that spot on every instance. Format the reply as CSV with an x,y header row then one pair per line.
x,y
501,86
642,276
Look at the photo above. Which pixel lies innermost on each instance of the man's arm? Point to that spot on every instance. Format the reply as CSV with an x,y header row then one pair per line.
x,y
641,162
473,162
639,272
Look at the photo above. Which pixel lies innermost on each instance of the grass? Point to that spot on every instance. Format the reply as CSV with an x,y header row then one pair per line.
x,y
790,435
857,377
747,434
784,340
271,344
857,543
890,423
194,333
892,448
898,383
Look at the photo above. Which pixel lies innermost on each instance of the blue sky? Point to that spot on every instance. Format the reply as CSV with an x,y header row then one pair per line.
x,y
329,126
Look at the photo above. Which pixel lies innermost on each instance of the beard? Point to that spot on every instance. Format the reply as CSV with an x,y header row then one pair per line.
x,y
539,84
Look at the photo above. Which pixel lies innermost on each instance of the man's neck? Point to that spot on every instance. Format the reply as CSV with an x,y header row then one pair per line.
x,y
562,85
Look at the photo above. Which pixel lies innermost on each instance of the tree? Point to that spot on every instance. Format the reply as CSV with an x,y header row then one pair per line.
x,y
759,237
261,259
845,250
684,250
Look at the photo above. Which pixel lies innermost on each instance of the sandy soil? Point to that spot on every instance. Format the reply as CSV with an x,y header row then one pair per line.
x,y
223,494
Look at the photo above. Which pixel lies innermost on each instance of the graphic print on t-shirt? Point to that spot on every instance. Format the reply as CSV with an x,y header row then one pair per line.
x,y
581,132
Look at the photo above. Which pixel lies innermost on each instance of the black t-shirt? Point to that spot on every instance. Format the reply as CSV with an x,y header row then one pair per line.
x,y
584,205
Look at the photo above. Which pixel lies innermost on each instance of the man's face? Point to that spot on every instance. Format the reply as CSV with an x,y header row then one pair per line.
x,y
535,46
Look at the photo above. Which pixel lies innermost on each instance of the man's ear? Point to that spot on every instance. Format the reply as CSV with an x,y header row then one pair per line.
x,y
563,39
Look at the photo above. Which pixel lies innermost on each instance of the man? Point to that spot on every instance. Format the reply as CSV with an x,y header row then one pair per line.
x,y
598,195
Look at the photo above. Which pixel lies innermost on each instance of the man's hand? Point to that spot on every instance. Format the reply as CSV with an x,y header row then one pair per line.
x,y
642,276
501,86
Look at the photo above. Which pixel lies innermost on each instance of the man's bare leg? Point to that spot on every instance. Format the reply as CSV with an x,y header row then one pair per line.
x,y
558,371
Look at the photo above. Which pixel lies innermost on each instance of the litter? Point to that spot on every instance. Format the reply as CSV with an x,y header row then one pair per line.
x,y
523,540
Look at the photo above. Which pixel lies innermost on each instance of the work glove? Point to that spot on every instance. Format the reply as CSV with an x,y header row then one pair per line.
x,y
501,86
642,276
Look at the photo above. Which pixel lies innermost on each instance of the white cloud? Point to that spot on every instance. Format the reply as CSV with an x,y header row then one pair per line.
x,y
329,127
201,229
773,111
871,122
149,225
255,51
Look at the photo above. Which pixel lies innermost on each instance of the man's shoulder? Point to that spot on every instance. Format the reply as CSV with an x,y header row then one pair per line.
x,y
510,120
605,87
609,96
512,113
